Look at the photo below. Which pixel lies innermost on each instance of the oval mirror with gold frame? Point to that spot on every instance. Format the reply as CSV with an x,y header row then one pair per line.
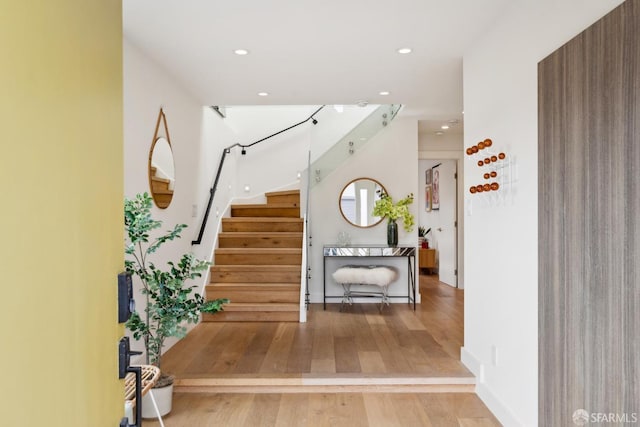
x,y
357,199
161,165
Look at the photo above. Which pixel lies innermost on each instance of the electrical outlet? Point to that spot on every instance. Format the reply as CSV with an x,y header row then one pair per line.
x,y
194,211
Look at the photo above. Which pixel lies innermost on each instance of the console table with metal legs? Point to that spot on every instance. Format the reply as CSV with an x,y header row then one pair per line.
x,y
373,251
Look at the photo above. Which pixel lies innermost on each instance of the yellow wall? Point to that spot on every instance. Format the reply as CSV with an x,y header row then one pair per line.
x,y
61,175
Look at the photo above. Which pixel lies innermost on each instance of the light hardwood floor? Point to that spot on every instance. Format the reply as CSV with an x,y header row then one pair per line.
x,y
325,409
356,367
358,341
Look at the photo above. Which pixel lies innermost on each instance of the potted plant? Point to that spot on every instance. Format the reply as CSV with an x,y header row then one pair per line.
x,y
170,301
386,208
422,234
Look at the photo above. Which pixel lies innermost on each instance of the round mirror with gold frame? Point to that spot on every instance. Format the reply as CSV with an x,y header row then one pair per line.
x,y
357,199
161,165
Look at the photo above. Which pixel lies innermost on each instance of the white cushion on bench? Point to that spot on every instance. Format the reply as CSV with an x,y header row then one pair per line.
x,y
365,275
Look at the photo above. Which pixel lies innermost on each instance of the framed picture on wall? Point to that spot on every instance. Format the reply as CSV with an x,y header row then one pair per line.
x,y
435,191
427,177
427,198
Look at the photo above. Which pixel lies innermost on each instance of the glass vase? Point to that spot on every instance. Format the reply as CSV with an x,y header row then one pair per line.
x,y
392,233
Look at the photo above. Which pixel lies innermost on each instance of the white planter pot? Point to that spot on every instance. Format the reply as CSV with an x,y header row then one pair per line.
x,y
164,398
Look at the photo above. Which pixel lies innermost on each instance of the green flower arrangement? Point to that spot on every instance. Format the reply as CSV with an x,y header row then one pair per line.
x,y
385,208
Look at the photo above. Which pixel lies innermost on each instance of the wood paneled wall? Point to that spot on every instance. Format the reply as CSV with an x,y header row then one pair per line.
x,y
589,222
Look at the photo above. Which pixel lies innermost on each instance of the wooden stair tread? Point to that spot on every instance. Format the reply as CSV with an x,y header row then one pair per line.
x,y
260,239
252,316
259,234
266,210
162,191
256,306
255,286
158,179
255,293
260,218
258,250
264,206
256,267
242,275
258,258
283,193
253,224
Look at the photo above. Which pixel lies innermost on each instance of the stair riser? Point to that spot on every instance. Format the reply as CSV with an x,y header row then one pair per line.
x,y
229,225
252,316
159,186
265,211
255,287
265,296
254,277
259,242
289,199
164,198
258,259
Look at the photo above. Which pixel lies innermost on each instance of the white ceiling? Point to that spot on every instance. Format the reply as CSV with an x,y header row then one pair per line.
x,y
320,52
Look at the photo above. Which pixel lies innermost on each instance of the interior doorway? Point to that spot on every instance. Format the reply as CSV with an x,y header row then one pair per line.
x,y
438,211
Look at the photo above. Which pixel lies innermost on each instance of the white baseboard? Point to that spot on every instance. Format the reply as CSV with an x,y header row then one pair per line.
x,y
495,405
472,363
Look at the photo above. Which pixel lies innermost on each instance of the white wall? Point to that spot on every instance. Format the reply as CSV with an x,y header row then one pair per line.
x,y
197,137
390,158
500,102
216,135
275,162
446,142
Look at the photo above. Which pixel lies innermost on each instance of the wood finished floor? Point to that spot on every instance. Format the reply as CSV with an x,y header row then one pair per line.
x,y
359,343
323,409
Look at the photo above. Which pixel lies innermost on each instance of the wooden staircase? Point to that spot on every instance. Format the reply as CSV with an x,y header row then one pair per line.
x,y
258,261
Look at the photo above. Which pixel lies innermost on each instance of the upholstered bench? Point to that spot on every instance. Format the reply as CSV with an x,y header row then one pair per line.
x,y
377,275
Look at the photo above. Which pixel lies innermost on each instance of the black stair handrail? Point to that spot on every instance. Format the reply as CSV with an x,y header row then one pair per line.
x,y
212,191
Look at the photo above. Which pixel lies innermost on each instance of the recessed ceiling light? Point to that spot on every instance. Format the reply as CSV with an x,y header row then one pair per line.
x,y
263,94
384,92
241,52
404,50
445,127
453,122
439,132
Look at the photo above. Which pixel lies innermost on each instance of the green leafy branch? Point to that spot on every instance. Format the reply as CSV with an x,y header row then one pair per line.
x,y
386,208
169,301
